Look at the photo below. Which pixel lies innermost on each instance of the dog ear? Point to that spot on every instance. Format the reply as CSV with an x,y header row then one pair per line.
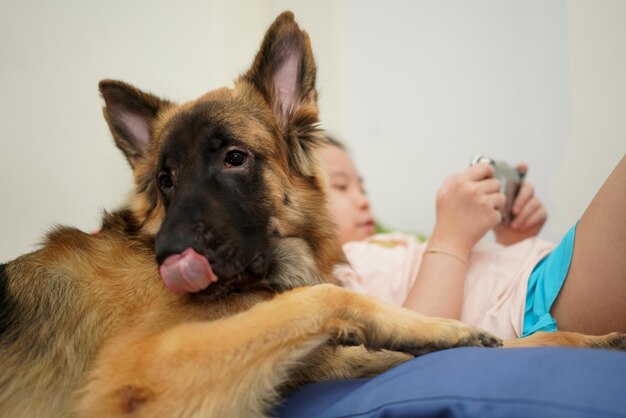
x,y
284,68
130,114
284,72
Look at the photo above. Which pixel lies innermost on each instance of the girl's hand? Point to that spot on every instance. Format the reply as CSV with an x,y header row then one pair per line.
x,y
529,215
468,205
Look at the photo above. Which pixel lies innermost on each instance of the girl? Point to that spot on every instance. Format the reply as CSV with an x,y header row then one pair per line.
x,y
514,287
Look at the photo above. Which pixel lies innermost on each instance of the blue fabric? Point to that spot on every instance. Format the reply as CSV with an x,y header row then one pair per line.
x,y
544,285
474,382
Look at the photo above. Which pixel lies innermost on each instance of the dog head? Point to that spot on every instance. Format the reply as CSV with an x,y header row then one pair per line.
x,y
233,175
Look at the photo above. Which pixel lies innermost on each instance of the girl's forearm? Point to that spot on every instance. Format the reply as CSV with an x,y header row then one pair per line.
x,y
439,285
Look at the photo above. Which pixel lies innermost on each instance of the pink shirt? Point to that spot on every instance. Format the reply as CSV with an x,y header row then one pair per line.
x,y
385,266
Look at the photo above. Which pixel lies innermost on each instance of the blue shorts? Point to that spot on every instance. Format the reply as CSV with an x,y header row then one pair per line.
x,y
544,285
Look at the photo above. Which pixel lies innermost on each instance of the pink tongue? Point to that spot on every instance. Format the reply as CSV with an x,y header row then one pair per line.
x,y
187,272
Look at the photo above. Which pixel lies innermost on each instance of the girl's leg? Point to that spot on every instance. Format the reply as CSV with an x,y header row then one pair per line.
x,y
593,297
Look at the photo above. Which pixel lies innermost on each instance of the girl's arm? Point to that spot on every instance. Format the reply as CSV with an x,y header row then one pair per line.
x,y
468,205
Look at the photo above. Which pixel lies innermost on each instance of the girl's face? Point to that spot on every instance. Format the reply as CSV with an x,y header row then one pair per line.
x,y
349,205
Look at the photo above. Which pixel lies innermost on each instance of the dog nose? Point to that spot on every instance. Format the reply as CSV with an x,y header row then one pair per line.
x,y
176,239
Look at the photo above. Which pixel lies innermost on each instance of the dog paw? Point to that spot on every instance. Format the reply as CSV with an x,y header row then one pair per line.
x,y
462,335
479,338
454,335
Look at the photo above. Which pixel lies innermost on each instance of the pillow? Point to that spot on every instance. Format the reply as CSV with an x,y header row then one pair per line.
x,y
477,382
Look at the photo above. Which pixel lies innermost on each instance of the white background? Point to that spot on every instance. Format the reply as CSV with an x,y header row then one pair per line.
x,y
415,88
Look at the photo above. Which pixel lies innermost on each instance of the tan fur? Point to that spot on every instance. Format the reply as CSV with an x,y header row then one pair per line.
x,y
239,362
88,329
614,340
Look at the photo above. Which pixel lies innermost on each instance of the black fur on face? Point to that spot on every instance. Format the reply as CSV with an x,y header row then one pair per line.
x,y
212,189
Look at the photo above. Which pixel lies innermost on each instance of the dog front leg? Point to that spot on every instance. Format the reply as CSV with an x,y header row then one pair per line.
x,y
235,366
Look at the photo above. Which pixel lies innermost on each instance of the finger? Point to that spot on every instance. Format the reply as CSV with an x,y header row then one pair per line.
x,y
522,168
535,220
526,192
496,218
538,219
531,213
489,185
479,171
496,200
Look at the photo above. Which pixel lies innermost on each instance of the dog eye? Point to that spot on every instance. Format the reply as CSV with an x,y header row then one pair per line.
x,y
165,180
235,158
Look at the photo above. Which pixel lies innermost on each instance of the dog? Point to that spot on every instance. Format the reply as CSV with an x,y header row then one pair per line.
x,y
228,186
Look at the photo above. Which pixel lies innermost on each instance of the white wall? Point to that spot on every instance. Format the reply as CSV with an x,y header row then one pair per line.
x,y
597,105
434,82
415,87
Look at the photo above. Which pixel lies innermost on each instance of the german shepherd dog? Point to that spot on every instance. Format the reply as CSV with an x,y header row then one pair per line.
x,y
229,186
